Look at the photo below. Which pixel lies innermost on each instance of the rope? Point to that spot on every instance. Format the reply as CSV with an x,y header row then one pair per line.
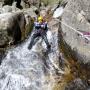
x,y
84,36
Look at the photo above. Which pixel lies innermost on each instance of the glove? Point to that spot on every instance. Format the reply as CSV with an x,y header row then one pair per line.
x,y
43,26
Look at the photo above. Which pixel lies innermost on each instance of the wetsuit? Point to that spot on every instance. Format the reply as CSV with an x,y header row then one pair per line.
x,y
40,31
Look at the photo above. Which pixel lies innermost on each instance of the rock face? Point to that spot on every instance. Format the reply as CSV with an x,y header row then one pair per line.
x,y
76,16
12,24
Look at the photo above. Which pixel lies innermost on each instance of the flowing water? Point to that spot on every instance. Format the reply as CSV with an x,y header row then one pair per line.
x,y
24,69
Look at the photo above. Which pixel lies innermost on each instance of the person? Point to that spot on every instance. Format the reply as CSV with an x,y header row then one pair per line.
x,y
40,29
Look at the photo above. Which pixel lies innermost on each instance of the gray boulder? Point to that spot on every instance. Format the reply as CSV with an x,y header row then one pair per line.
x,y
12,24
76,18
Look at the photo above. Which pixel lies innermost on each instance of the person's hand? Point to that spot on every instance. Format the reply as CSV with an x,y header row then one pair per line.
x,y
42,26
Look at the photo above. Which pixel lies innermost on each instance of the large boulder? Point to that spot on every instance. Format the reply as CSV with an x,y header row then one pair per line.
x,y
11,26
76,18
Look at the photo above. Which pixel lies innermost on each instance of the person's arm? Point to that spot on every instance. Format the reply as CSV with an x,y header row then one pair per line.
x,y
45,26
37,25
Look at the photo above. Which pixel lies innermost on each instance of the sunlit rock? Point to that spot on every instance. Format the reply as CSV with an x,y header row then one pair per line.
x,y
76,18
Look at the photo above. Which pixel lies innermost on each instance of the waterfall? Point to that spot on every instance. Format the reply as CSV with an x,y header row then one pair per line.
x,y
24,69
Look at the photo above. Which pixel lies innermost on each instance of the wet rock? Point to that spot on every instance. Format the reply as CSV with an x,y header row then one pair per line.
x,y
12,24
77,84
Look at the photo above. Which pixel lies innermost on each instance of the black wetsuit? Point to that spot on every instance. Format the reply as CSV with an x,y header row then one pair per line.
x,y
40,31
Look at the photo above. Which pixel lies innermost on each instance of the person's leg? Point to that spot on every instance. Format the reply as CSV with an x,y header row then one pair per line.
x,y
46,41
35,40
32,41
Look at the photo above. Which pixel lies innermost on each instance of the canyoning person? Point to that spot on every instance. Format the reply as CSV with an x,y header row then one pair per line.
x,y
40,29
